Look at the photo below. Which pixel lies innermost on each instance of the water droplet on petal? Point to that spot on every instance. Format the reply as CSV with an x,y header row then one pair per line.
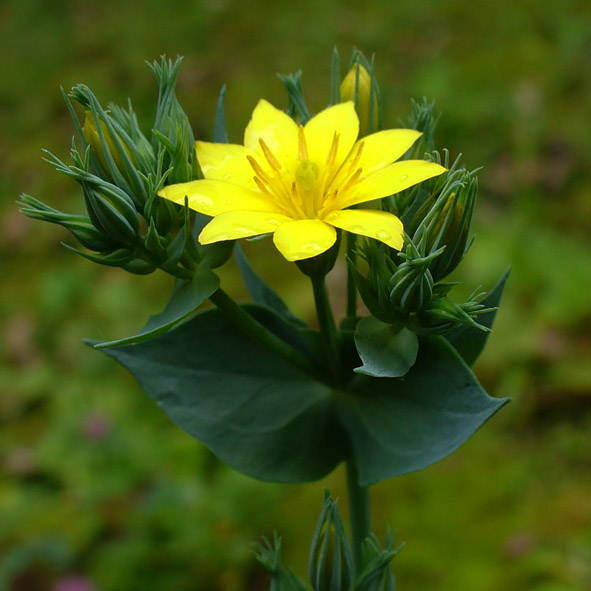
x,y
356,229
383,235
403,177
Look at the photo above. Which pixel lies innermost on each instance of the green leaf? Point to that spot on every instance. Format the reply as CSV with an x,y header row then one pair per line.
x,y
397,426
259,291
258,414
185,299
469,341
220,135
385,351
271,421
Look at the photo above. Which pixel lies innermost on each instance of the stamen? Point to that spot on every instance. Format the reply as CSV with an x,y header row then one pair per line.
x,y
273,162
352,180
258,170
357,156
302,146
332,153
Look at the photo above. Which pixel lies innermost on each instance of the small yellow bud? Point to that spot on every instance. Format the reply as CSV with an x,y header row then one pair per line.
x,y
92,137
363,98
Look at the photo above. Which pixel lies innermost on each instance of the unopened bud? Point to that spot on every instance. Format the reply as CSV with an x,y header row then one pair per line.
x,y
331,560
103,150
357,87
444,222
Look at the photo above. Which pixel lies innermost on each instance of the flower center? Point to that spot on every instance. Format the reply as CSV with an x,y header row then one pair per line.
x,y
307,192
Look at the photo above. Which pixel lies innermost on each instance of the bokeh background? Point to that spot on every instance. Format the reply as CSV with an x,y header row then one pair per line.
x,y
99,491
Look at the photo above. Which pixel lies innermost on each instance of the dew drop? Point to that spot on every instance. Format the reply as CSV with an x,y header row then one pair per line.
x,y
356,229
403,177
383,235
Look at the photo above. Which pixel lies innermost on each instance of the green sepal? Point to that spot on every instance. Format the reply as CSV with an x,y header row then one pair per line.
x,y
331,565
185,299
469,341
376,574
297,108
269,555
220,134
397,426
258,414
386,351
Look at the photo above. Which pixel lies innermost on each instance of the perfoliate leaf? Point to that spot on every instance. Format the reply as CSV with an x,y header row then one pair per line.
x,y
397,426
385,351
274,422
254,411
469,341
185,300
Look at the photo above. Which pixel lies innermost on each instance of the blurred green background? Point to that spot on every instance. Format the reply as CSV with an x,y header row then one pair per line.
x,y
99,491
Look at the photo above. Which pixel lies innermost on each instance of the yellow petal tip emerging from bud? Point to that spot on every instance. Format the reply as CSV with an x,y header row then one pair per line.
x,y
363,98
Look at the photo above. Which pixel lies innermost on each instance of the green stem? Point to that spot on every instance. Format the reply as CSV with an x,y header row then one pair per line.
x,y
351,288
326,323
236,314
359,512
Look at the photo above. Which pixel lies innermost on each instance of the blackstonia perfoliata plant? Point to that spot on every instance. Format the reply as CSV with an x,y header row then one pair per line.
x,y
385,393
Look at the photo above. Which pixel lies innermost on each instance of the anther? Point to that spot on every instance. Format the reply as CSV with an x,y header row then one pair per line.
x,y
332,153
273,162
302,146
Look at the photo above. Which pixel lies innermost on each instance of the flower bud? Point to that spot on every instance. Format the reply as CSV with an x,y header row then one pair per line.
x,y
411,286
357,87
331,560
444,220
104,151
443,315
112,212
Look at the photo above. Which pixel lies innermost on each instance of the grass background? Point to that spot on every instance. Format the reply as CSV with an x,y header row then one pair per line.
x,y
98,490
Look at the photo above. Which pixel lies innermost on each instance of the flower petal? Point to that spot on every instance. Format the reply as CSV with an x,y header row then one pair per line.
x,y
302,239
226,162
380,225
384,147
241,224
215,197
320,130
388,181
277,129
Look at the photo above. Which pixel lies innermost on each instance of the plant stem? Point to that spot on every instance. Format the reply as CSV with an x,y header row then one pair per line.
x,y
326,323
351,288
229,308
359,512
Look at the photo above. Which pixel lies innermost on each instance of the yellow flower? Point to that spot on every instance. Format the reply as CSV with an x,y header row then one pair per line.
x,y
298,182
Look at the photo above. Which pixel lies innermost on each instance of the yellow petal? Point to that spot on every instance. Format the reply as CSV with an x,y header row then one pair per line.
x,y
226,162
277,129
388,181
384,147
302,239
320,130
241,224
216,197
380,225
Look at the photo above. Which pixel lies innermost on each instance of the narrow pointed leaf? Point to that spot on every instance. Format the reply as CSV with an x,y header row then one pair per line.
x,y
185,300
469,341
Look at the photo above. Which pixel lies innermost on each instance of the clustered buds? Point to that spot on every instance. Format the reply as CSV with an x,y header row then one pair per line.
x,y
120,172
405,288
331,566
